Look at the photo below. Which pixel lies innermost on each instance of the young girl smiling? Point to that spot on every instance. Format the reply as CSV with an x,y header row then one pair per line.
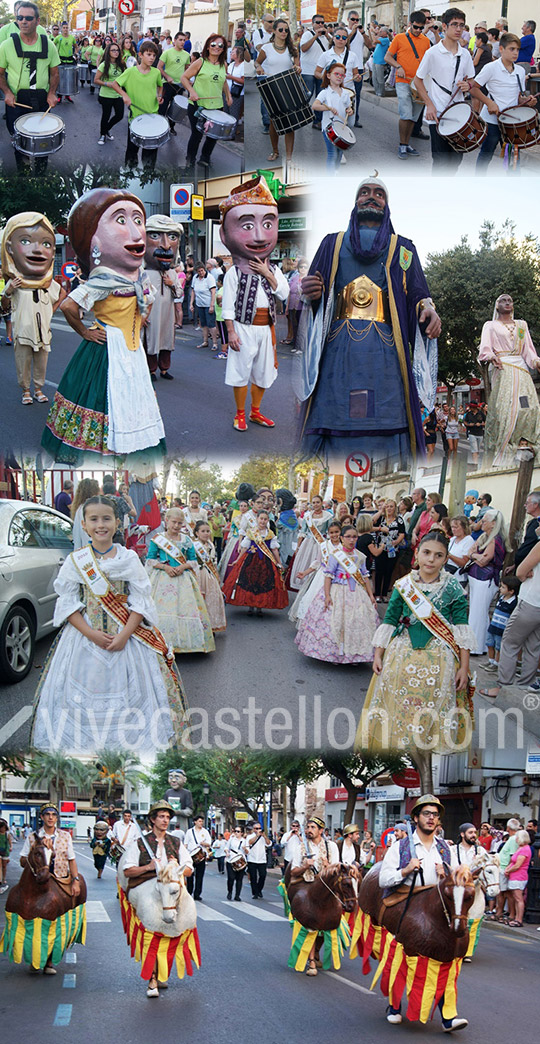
x,y
333,101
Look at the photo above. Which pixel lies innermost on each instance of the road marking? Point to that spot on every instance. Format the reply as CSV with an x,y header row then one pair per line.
x,y
14,723
237,928
90,859
206,913
70,958
63,1015
260,915
353,985
70,981
95,911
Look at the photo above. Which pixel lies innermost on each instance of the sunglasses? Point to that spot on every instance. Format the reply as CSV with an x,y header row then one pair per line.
x,y
216,43
336,37
25,18
354,19
282,30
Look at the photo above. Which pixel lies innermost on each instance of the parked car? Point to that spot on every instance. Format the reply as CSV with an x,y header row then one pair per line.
x,y
34,541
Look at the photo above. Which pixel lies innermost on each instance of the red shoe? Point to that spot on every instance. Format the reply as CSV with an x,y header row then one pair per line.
x,y
257,418
239,421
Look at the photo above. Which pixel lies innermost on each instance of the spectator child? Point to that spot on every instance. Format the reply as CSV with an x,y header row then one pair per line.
x,y
508,587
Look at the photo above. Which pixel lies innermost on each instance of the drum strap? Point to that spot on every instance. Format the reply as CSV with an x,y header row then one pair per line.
x,y
318,40
31,57
445,89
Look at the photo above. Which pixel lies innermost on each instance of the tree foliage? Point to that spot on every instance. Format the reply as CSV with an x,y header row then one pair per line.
x,y
465,283
55,771
54,193
356,771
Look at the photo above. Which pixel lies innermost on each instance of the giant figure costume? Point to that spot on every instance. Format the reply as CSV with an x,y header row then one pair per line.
x,y
366,364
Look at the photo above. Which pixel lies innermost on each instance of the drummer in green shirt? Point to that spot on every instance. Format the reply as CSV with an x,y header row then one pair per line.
x,y
94,55
143,91
12,27
207,92
112,107
171,65
66,45
28,72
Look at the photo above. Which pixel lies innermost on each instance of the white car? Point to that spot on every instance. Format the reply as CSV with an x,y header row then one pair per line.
x,y
34,541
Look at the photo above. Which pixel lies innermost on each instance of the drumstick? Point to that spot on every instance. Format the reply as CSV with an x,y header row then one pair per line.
x,y
45,113
19,105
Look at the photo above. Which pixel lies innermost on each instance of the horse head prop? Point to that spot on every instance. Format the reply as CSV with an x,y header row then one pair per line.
x,y
169,884
38,893
485,869
321,903
162,903
456,891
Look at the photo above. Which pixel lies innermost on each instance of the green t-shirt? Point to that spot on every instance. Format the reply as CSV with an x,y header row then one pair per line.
x,y
65,45
18,69
142,89
12,27
209,83
175,62
127,54
94,55
114,73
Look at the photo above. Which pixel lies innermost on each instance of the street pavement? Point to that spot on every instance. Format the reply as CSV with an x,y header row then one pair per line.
x,y
376,144
197,407
82,124
244,990
257,689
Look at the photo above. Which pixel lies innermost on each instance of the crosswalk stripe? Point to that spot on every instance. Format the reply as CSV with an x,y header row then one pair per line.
x,y
353,985
63,1015
206,913
14,723
257,912
95,911
237,928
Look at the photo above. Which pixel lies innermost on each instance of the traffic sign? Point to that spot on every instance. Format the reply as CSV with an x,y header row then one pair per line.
x,y
389,832
69,269
126,7
180,202
358,464
197,208
407,778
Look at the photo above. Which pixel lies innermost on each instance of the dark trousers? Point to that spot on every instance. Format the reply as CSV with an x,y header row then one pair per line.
x,y
149,156
162,359
218,544
417,129
488,147
257,877
235,879
358,91
265,115
313,86
384,567
108,106
195,140
37,101
195,882
220,864
444,157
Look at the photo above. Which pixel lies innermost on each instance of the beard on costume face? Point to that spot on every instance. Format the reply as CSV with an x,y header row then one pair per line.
x,y
371,212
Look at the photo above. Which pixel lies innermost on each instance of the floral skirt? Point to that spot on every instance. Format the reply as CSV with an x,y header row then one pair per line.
x,y
342,634
413,701
255,581
213,598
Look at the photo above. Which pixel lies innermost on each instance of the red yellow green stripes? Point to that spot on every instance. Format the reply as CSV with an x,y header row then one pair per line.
x,y
303,939
150,948
422,980
284,895
474,933
35,941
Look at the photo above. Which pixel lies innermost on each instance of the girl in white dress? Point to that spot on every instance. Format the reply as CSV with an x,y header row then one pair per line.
x,y
208,576
109,681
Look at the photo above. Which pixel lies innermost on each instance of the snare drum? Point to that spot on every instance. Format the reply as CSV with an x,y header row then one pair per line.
x,y
198,855
216,124
462,128
149,130
287,99
179,108
69,79
340,134
39,134
238,862
519,126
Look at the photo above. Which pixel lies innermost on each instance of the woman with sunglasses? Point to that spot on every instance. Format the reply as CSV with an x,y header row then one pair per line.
x,y
340,52
94,55
275,56
108,71
207,91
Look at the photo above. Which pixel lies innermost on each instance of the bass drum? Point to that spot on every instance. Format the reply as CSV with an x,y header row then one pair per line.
x,y
149,130
287,99
39,134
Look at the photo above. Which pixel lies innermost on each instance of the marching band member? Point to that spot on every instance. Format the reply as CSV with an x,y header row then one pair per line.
x,y
209,88
199,845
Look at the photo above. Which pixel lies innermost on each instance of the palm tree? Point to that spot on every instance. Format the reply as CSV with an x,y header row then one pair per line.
x,y
55,771
116,768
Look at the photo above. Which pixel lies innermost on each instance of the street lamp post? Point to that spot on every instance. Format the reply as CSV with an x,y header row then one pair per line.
x,y
206,791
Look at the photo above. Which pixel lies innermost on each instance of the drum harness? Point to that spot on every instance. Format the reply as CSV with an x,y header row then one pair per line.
x,y
31,57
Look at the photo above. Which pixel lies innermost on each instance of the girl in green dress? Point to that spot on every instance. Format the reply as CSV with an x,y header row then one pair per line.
x,y
206,92
421,662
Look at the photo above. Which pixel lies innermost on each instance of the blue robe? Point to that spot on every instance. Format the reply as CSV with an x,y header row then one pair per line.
x,y
360,380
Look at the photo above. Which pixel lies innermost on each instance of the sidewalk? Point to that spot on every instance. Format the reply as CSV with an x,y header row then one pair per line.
x,y
527,931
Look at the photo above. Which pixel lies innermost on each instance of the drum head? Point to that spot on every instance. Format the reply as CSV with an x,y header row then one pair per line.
x,y
454,119
518,114
218,116
343,131
36,123
150,125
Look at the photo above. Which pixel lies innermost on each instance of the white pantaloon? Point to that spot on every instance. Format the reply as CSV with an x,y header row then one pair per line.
x,y
254,363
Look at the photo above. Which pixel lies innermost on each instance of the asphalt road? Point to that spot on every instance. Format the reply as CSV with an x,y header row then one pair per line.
x,y
82,122
257,689
376,144
197,407
244,989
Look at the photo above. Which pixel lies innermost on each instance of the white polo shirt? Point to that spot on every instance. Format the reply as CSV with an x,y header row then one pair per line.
x,y
438,67
503,87
350,64
309,60
257,852
357,45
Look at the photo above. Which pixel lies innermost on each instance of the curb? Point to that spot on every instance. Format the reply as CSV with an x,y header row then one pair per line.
x,y
528,932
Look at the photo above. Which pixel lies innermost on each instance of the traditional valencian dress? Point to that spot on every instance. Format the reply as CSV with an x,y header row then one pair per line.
x,y
344,633
87,697
105,405
311,528
255,579
232,546
209,584
513,409
313,583
415,694
182,613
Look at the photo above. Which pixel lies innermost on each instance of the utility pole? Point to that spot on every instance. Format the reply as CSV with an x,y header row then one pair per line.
x,y
223,19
